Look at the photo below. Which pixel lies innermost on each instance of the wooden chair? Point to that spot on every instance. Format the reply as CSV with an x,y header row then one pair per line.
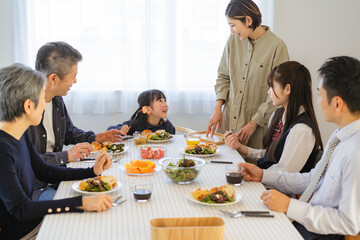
x,y
184,129
357,237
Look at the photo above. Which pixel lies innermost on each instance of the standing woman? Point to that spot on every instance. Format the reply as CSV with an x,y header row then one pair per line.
x,y
251,52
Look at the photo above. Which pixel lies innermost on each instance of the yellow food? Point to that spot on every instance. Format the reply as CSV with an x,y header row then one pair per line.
x,y
140,167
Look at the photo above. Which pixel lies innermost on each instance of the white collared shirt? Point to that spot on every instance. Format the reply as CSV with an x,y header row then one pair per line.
x,y
48,125
335,206
298,146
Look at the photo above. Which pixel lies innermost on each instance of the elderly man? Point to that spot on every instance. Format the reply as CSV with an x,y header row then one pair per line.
x,y
329,206
59,62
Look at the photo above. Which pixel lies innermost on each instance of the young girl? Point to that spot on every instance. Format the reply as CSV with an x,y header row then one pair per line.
x,y
151,114
292,140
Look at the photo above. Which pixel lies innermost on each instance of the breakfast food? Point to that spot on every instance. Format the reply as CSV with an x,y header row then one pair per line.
x,y
217,195
98,184
152,153
105,146
140,167
202,149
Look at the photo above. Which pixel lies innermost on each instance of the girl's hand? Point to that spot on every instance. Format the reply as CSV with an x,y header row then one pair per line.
x,y
232,141
102,163
97,203
125,129
246,132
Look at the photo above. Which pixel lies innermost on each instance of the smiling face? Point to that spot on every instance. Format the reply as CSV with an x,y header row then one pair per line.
x,y
240,28
62,86
279,95
327,109
159,108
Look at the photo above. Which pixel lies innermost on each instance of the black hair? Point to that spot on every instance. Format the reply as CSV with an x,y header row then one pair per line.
x,y
299,78
57,57
145,98
341,77
239,9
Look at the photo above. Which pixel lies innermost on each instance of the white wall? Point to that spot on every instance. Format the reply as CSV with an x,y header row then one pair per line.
x,y
312,30
315,30
6,39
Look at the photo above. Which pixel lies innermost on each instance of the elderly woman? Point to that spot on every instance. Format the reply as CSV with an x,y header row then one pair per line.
x,y
22,105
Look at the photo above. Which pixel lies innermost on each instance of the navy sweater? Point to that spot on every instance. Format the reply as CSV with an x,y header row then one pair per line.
x,y
164,124
20,164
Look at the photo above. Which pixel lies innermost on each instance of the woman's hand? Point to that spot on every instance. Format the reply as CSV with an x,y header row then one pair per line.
x,y
102,163
97,203
215,119
275,200
246,132
125,129
251,172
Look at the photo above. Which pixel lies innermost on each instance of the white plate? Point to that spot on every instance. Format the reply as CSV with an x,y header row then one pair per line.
x,y
200,155
160,141
190,197
119,153
156,169
75,186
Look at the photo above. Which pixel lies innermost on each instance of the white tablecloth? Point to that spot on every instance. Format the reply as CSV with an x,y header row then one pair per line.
x,y
131,219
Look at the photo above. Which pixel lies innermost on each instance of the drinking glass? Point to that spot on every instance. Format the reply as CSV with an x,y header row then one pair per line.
x,y
234,174
139,139
142,191
192,139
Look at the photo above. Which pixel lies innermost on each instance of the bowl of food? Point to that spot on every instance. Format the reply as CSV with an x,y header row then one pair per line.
x,y
152,151
182,170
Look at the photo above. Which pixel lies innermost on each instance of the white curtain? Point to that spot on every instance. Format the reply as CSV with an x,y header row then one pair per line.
x,y
129,46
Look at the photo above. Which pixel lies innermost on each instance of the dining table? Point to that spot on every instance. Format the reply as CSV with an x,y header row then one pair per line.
x,y
131,220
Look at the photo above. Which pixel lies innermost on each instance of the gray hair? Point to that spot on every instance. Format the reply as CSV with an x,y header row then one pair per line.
x,y
17,84
58,58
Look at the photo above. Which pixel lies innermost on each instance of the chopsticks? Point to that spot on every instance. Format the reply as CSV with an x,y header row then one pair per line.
x,y
222,162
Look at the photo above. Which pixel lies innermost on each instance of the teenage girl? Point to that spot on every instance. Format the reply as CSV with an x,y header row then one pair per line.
x,y
151,114
292,140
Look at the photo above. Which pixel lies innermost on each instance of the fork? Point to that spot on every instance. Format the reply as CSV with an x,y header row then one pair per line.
x,y
115,204
117,199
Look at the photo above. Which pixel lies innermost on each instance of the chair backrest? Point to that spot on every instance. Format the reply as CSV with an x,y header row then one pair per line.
x,y
184,129
318,157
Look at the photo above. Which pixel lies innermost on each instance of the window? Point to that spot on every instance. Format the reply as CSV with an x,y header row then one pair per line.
x,y
132,45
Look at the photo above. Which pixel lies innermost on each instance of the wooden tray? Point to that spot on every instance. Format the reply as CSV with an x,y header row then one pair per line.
x,y
218,138
197,228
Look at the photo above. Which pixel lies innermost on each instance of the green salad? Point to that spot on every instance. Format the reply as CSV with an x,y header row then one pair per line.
x,y
217,197
116,147
181,174
161,136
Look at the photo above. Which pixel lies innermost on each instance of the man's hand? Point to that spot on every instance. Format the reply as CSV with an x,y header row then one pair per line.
x,y
275,200
252,172
246,132
78,151
112,135
97,203
125,129
102,163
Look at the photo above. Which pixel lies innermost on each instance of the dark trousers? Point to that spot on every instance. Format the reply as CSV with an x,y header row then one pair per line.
x,y
314,236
